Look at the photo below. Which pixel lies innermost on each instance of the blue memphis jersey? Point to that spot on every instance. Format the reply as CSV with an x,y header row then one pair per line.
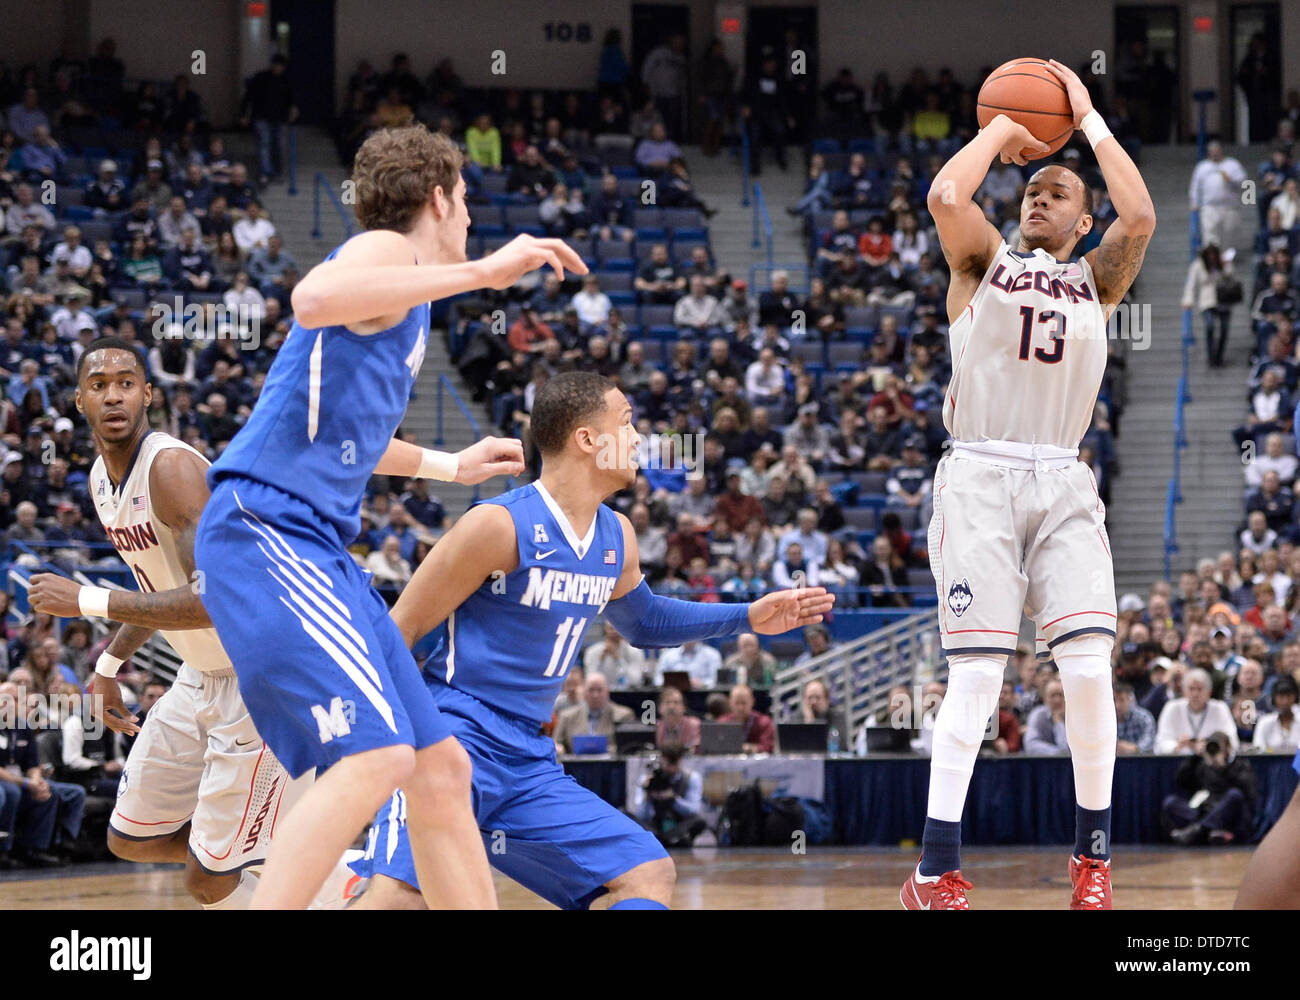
x,y
512,641
331,403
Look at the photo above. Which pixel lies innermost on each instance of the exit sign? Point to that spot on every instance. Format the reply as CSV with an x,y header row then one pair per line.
x,y
730,26
1202,25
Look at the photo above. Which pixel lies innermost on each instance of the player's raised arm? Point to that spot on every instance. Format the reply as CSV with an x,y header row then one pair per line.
x,y
179,488
481,543
969,240
653,622
373,281
1117,260
485,458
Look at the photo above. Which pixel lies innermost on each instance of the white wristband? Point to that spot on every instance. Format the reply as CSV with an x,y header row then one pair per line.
x,y
1094,127
93,601
439,465
108,665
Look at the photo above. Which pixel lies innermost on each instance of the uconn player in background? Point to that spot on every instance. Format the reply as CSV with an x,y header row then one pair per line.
x,y
321,665
517,580
1017,522
200,787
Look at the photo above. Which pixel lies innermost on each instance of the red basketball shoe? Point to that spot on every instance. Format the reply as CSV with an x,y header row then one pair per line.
x,y
944,892
1091,881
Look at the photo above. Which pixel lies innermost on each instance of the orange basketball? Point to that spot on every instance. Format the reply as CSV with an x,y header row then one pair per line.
x,y
1026,92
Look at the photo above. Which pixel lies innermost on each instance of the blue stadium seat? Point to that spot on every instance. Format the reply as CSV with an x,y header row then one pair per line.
x,y
655,315
826,145
844,353
519,216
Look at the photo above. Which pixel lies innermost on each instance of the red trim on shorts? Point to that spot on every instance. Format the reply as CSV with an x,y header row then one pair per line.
x,y
1073,614
247,803
1103,542
161,822
998,631
943,530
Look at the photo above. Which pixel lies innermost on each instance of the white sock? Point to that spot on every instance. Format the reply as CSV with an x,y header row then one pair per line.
x,y
974,683
240,896
1090,724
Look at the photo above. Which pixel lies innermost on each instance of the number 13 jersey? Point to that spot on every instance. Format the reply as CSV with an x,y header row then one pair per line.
x,y
1029,352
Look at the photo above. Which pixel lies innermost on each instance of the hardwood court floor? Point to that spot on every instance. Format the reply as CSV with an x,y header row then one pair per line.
x,y
1010,878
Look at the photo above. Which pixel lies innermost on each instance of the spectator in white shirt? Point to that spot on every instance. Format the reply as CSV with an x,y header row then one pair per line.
x,y
698,659
1215,192
243,295
1186,722
765,379
1287,204
254,230
1277,731
812,543
387,564
175,221
793,562
1274,459
71,319
77,253
698,310
622,663
592,304
27,211
1258,536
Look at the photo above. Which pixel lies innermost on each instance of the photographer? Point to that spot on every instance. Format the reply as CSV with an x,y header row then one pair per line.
x,y
669,801
1215,797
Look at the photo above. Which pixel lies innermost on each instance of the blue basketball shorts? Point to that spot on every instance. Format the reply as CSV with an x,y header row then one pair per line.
x,y
539,826
322,667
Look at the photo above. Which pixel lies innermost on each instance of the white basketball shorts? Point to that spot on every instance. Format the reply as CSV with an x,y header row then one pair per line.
x,y
1005,540
198,759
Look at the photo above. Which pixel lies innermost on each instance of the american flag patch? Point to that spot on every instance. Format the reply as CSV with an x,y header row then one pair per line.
x,y
610,557
139,505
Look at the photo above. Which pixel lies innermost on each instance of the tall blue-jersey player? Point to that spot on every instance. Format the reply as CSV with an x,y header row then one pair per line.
x,y
517,580
322,668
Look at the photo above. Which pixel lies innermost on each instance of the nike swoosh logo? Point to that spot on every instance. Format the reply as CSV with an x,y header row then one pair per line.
x,y
248,744
543,555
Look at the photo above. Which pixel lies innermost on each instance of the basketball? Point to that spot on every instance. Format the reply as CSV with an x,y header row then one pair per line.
x,y
1026,92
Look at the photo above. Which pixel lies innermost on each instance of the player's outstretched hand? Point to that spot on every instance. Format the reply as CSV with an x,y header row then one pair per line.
x,y
54,595
784,610
107,706
527,253
1080,99
492,456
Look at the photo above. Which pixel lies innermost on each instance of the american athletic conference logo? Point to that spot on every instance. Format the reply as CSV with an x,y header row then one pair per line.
x,y
959,597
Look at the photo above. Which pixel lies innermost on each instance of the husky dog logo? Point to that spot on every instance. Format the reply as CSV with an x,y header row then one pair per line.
x,y
959,597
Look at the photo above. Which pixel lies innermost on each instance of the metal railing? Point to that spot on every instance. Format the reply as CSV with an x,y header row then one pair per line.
x,y
445,387
1174,492
860,673
155,657
293,159
319,182
762,221
744,161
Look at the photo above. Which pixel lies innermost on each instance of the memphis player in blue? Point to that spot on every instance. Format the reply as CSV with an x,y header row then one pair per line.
x,y
517,580
322,668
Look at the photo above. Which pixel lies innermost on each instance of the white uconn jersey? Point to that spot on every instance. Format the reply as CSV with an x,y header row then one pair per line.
x,y
149,547
1029,353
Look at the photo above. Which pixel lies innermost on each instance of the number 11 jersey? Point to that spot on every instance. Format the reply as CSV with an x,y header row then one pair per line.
x,y
513,640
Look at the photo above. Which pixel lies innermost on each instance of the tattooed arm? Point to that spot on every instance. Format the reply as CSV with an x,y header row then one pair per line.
x,y
179,489
1116,262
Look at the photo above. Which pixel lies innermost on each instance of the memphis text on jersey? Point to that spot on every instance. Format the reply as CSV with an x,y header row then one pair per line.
x,y
547,585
